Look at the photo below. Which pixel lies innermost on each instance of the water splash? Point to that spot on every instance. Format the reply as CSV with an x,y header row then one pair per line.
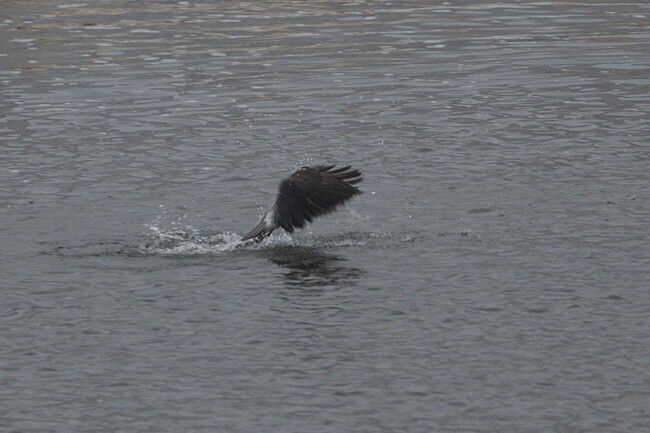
x,y
191,242
188,242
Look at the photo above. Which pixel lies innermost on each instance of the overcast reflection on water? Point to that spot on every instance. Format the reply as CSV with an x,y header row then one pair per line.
x,y
492,277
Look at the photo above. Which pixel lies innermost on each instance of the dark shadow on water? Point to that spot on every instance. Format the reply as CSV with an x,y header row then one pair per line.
x,y
311,268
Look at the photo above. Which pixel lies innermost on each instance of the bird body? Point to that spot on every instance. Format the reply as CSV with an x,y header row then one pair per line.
x,y
305,195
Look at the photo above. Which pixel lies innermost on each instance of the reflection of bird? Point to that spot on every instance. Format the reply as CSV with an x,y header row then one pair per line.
x,y
306,194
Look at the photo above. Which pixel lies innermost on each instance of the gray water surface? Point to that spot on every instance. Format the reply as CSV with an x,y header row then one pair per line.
x,y
493,277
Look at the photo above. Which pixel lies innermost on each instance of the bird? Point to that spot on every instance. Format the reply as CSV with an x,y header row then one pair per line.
x,y
305,195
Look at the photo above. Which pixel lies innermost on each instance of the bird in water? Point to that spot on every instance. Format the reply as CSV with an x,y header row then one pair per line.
x,y
306,194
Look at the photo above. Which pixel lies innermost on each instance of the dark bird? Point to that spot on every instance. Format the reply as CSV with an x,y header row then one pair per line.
x,y
306,194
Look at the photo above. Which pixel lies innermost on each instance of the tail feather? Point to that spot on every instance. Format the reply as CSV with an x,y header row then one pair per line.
x,y
256,231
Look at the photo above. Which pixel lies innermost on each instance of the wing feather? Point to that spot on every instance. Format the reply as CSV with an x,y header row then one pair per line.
x,y
314,191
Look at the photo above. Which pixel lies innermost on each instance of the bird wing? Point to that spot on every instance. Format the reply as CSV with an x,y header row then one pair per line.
x,y
314,191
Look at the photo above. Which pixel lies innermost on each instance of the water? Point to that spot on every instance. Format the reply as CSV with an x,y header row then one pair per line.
x,y
492,277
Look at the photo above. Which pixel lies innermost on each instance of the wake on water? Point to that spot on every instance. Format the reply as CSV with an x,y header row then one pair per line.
x,y
165,238
189,242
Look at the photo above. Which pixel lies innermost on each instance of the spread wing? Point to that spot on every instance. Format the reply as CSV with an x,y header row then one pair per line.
x,y
314,191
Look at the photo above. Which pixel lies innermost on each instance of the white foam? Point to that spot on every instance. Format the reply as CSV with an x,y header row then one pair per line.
x,y
189,242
